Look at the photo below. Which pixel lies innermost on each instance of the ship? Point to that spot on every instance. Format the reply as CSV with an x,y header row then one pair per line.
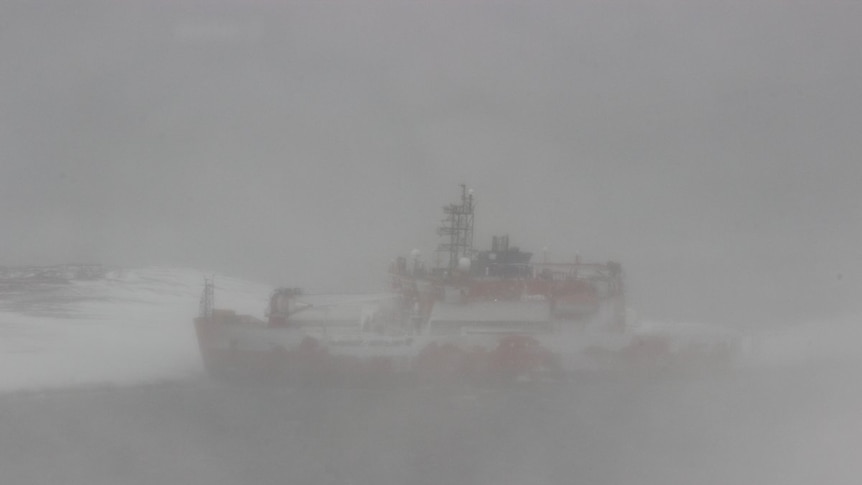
x,y
476,315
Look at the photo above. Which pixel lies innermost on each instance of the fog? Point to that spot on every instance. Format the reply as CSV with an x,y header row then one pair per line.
x,y
710,147
752,430
101,382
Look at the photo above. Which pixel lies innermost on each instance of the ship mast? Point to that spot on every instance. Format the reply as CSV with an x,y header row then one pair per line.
x,y
458,227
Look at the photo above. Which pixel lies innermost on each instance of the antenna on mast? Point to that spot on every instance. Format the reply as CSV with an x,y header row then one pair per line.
x,y
458,226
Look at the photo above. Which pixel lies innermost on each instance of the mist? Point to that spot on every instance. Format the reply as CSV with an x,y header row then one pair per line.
x,y
709,147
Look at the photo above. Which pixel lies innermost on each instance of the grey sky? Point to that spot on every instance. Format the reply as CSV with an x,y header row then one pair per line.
x,y
712,147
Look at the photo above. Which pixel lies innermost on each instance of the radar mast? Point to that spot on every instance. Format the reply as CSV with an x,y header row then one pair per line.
x,y
457,226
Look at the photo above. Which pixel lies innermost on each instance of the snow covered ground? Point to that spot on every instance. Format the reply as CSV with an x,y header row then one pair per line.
x,y
789,415
118,327
72,326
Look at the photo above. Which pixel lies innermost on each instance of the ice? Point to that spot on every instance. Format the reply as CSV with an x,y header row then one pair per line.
x,y
134,326
126,328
